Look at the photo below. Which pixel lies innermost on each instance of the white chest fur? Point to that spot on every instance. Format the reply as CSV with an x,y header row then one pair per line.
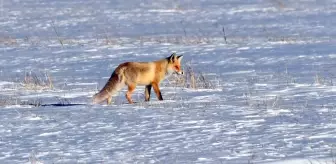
x,y
169,73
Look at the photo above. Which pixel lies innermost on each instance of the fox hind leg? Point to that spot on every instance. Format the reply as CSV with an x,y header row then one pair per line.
x,y
131,88
147,92
109,100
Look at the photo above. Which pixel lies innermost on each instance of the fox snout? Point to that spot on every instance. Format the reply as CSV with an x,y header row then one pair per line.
x,y
180,72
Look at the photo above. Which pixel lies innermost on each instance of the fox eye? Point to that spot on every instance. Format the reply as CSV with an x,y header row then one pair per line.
x,y
176,67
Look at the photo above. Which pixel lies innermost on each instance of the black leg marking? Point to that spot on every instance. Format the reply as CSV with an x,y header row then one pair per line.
x,y
147,92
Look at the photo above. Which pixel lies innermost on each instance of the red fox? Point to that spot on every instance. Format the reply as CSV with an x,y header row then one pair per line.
x,y
132,74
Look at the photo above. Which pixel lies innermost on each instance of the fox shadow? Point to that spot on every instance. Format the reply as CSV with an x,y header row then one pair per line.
x,y
60,105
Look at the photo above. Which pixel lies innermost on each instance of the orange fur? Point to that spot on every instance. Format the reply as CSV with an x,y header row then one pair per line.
x,y
132,74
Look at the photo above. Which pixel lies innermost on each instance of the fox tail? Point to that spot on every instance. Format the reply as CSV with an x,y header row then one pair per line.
x,y
114,84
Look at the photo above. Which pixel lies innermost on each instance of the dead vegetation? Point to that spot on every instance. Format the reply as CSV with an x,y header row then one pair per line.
x,y
320,79
8,40
184,40
5,101
191,79
14,100
37,81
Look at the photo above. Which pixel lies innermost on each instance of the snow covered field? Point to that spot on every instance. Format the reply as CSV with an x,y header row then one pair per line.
x,y
272,70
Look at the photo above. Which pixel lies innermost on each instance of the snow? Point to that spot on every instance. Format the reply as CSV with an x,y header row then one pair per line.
x,y
273,99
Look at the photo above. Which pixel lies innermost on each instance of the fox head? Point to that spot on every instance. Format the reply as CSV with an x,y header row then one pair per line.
x,y
174,64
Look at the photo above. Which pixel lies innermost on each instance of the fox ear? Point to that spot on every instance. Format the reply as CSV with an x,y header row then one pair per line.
x,y
172,57
179,58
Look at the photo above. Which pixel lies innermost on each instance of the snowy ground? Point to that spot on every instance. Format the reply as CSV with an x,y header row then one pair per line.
x,y
274,78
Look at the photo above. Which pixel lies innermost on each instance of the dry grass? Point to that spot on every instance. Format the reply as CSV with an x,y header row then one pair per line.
x,y
37,81
35,103
279,4
63,101
191,39
192,79
33,158
184,40
333,155
5,101
12,100
8,40
320,79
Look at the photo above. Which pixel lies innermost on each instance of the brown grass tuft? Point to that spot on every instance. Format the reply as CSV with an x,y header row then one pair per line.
x,y
35,81
192,79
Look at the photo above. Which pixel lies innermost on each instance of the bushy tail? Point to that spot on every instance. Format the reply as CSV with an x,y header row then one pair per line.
x,y
114,84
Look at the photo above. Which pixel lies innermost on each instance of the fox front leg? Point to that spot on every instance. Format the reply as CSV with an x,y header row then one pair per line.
x,y
157,91
147,92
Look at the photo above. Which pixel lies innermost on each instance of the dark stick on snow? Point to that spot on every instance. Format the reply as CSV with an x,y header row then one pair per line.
x,y
58,36
184,29
224,35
